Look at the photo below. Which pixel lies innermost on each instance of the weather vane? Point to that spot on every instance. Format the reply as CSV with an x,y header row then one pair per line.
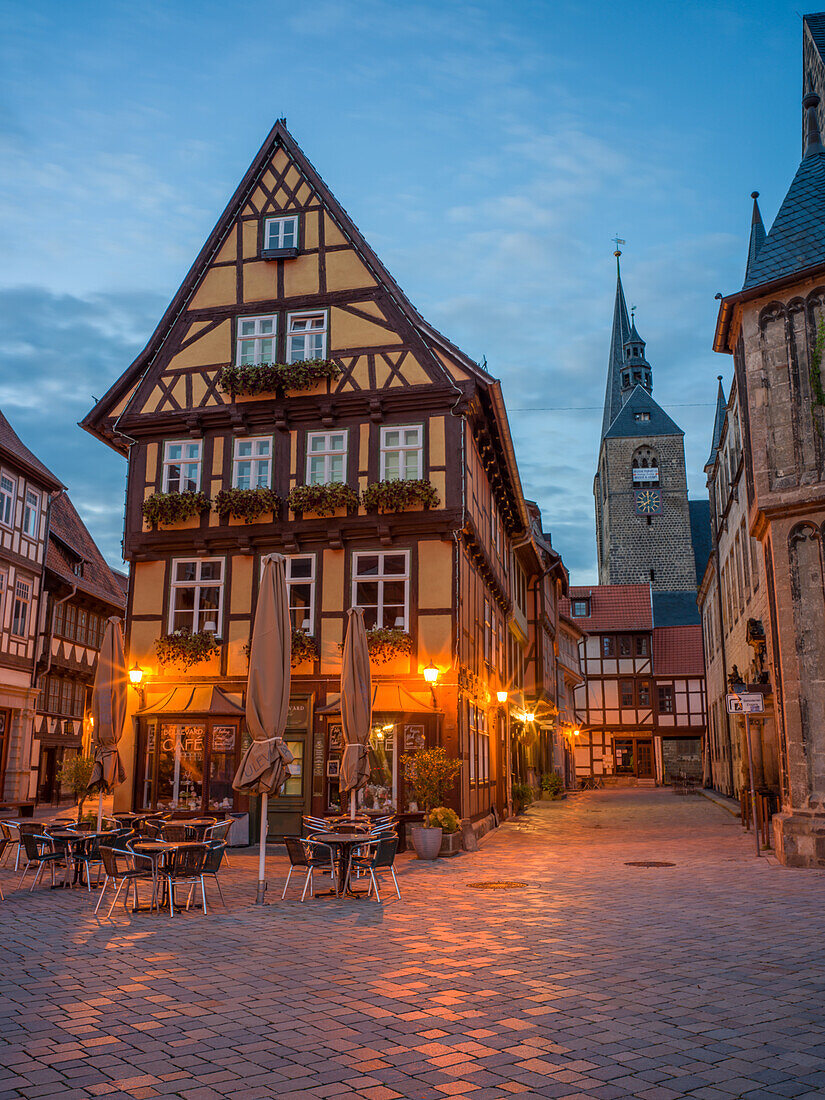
x,y
617,240
633,314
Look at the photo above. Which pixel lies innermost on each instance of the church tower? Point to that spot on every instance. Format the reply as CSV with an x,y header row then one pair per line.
x,y
643,525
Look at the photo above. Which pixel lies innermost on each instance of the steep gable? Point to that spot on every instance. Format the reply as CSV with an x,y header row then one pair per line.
x,y
640,403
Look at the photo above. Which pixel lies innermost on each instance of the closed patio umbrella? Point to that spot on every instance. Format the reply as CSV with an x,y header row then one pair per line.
x,y
264,767
108,713
356,706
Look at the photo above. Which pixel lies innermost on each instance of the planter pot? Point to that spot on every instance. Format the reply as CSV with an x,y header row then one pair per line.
x,y
427,842
450,843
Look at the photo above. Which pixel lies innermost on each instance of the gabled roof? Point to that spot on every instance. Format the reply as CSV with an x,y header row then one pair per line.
x,y
69,543
626,425
678,651
13,448
618,338
675,608
815,22
718,422
613,607
796,240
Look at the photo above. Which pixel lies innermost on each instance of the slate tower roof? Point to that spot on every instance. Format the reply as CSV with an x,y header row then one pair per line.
x,y
757,239
718,422
618,339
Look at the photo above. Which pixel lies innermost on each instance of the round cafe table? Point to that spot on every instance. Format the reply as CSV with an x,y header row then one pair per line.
x,y
342,845
156,850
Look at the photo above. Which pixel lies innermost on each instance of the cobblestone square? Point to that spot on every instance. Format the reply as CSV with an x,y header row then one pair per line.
x,y
597,980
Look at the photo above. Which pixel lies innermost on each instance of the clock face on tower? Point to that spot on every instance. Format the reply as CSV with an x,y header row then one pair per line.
x,y
648,502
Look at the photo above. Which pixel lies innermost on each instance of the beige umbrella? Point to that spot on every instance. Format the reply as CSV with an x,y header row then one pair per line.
x,y
264,767
356,706
108,713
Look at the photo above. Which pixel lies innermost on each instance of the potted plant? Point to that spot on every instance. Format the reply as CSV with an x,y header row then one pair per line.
x,y
246,504
253,379
74,774
186,649
398,494
522,797
387,643
450,836
322,500
552,786
429,774
171,508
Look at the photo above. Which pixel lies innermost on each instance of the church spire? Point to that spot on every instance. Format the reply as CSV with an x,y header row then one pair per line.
x,y
718,422
757,235
618,339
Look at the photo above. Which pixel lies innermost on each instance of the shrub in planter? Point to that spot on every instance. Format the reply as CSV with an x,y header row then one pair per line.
x,y
396,495
174,507
276,377
446,818
387,643
522,797
304,647
322,499
185,649
552,785
246,504
429,774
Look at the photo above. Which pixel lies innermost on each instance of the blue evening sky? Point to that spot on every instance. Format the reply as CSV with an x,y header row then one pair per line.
x,y
489,151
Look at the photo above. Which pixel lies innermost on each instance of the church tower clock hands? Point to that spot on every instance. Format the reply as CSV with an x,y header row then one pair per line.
x,y
642,516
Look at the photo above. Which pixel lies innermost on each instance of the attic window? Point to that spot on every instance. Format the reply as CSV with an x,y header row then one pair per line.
x,y
77,568
280,238
641,416
581,609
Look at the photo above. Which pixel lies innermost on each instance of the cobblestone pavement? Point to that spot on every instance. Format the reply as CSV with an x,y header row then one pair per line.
x,y
598,979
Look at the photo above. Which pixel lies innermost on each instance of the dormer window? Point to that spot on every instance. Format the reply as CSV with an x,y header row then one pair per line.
x,y
581,608
280,238
641,416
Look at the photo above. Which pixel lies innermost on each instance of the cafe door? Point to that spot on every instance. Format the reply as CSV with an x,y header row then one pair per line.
x,y
644,757
286,810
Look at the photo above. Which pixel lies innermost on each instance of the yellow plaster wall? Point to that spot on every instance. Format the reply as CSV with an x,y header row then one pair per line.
x,y
152,450
250,239
354,332
259,281
149,585
414,372
438,452
216,289
435,640
212,348
332,635
279,161
435,574
346,272
142,637
229,248
364,447
241,588
237,637
332,594
332,234
301,276
438,479
310,230
293,455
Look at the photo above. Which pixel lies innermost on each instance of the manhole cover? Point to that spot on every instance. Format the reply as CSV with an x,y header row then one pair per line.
x,y
649,863
496,885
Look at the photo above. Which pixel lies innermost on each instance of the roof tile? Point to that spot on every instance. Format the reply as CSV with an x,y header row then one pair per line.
x,y
613,607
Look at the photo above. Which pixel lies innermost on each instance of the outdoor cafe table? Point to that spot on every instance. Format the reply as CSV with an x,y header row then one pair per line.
x,y
343,844
76,841
155,850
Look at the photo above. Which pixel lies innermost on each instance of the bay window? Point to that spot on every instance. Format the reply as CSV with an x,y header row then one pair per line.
x,y
196,595
402,453
252,463
181,466
380,584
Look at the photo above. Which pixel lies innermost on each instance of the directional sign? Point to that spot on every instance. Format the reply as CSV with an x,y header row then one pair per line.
x,y
746,702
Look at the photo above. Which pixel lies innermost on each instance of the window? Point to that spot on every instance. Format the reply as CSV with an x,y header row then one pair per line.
x,y
666,699
306,336
488,631
479,746
608,646
31,513
326,457
252,463
182,467
624,647
626,692
643,692
256,340
4,583
82,623
380,584
641,416
8,487
196,598
581,609
495,530
20,614
520,589
642,648
300,584
401,453
280,233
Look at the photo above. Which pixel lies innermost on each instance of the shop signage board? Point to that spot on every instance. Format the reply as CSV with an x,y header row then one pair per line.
x,y
745,702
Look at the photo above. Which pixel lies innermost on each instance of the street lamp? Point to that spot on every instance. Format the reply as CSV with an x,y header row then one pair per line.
x,y
136,675
431,673
529,716
501,696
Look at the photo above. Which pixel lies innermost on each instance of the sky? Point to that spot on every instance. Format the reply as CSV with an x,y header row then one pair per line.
x,y
489,151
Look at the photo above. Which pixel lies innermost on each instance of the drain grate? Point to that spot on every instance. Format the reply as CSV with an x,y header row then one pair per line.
x,y
496,885
649,863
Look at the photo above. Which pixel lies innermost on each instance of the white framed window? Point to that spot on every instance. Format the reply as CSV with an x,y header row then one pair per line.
x,y
381,585
402,453
256,340
20,613
488,631
300,583
252,463
4,584
8,490
326,457
182,466
31,513
281,232
306,336
196,595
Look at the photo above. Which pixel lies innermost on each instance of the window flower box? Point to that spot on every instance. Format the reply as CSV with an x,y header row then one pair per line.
x,y
399,495
246,504
174,507
304,647
184,649
276,377
387,643
322,500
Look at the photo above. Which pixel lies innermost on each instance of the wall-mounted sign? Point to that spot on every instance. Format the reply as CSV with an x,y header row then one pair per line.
x,y
745,702
646,473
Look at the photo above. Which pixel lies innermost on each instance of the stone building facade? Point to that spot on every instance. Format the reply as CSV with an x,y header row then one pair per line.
x,y
775,329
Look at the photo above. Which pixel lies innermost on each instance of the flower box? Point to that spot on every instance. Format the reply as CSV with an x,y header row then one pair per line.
x,y
276,377
174,507
322,500
304,647
185,649
246,504
386,644
398,495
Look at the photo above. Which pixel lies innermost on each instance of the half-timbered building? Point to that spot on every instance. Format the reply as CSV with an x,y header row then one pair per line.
x,y
293,400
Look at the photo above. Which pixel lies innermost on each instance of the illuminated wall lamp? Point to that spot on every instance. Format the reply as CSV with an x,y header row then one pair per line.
x,y
502,696
529,716
431,674
136,675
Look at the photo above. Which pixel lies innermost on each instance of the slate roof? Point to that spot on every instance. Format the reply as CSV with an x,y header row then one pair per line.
x,y
700,535
757,238
613,607
678,651
718,422
13,447
625,425
675,609
816,25
618,338
797,237
69,541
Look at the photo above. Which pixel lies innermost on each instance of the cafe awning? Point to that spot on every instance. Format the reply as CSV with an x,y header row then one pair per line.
x,y
194,699
388,699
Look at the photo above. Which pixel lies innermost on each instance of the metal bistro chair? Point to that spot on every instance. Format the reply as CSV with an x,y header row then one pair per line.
x,y
125,869
41,852
215,854
4,843
183,868
174,833
92,855
219,832
305,854
381,859
11,837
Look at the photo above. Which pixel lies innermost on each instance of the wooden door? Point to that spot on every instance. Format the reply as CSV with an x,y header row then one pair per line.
x,y
644,759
